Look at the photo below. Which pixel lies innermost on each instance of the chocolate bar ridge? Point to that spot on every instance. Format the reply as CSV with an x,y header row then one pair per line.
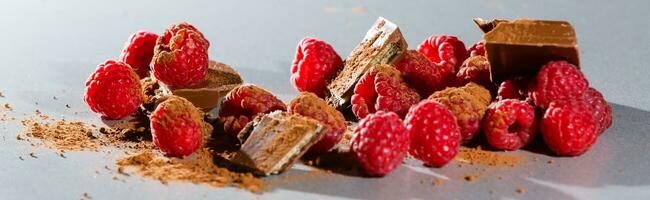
x,y
383,44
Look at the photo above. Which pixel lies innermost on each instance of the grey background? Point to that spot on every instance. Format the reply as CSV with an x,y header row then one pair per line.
x,y
48,48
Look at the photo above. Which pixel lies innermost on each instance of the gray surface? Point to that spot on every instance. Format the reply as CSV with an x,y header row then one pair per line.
x,y
50,47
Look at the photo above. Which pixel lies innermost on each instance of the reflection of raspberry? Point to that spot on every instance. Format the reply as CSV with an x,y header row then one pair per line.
x,y
509,124
382,88
309,105
477,49
138,51
244,103
468,103
475,69
113,90
435,137
515,88
602,110
568,127
443,50
315,63
558,80
177,127
423,74
380,143
180,61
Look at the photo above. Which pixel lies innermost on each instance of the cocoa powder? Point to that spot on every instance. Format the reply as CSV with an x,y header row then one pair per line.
x,y
478,156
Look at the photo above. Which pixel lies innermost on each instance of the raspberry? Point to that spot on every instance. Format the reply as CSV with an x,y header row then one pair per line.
x,y
477,49
444,50
602,110
380,143
425,75
568,127
180,58
435,136
174,28
244,103
138,51
468,103
382,88
475,69
309,105
315,63
515,88
509,124
113,90
177,127
558,80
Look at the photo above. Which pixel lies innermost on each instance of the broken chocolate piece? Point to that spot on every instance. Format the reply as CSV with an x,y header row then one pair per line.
x,y
522,46
221,78
487,25
275,141
383,44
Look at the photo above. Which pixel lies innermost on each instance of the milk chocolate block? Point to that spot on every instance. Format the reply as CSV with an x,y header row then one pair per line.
x,y
522,46
383,44
275,141
221,78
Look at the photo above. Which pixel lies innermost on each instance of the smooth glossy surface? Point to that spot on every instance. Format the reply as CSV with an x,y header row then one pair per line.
x,y
50,47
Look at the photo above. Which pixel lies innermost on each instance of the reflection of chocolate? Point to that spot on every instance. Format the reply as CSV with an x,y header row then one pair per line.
x,y
522,46
275,141
383,44
220,79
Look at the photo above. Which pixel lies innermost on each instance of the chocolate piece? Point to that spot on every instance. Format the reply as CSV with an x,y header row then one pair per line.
x,y
522,46
487,25
275,141
221,78
383,44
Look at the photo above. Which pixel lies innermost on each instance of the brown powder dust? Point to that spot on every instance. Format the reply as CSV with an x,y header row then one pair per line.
x,y
478,156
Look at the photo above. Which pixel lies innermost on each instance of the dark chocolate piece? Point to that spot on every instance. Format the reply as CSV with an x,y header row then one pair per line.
x,y
383,44
275,141
522,46
487,25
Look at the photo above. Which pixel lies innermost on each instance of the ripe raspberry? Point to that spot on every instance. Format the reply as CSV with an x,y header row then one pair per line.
x,y
382,88
477,49
558,80
174,28
475,69
444,50
180,58
309,105
423,74
113,90
515,88
380,143
244,103
509,124
315,63
568,127
468,103
138,51
435,136
602,110
177,127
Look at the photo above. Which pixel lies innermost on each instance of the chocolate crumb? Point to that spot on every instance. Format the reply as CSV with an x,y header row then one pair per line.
x,y
520,190
54,98
21,158
2,95
438,182
33,155
470,178
550,161
85,196
67,105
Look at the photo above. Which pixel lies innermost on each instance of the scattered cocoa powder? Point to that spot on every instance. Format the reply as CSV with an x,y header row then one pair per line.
x,y
311,175
58,134
478,156
521,190
2,95
4,116
470,178
438,182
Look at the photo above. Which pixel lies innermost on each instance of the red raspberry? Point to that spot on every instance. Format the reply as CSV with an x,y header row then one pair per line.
x,y
558,80
477,49
244,103
382,88
138,51
602,110
444,50
380,143
309,105
113,90
515,88
468,103
425,75
435,137
475,69
174,28
568,127
315,63
180,61
509,124
177,127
